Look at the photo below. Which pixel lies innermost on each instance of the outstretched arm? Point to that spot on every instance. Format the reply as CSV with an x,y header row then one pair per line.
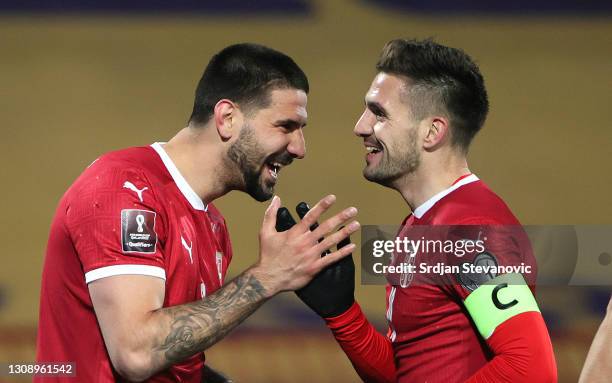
x,y
331,295
369,351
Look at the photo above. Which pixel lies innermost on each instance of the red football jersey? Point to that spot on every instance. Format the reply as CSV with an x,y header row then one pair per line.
x,y
130,212
433,336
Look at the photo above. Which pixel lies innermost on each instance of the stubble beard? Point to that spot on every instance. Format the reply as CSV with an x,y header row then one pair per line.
x,y
248,158
390,167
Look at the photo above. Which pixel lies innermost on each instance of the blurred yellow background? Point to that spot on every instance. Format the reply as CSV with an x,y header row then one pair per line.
x,y
74,87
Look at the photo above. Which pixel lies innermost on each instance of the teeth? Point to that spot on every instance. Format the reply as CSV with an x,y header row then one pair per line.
x,y
274,170
372,149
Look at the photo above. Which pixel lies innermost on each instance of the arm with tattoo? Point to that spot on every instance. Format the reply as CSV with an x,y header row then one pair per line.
x,y
143,337
196,326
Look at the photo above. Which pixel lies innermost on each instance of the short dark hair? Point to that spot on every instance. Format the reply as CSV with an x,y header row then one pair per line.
x,y
442,80
245,73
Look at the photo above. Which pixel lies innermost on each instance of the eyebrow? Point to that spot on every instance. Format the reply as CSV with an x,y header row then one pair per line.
x,y
376,108
290,122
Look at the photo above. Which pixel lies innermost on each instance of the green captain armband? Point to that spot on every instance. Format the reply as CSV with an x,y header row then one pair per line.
x,y
498,300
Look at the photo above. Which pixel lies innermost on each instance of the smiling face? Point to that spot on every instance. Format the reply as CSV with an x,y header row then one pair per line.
x,y
270,139
389,132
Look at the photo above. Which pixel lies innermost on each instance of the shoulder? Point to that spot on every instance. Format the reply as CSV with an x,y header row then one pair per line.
x,y
129,168
128,178
142,159
473,203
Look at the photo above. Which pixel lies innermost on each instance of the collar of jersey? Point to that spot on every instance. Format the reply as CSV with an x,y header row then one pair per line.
x,y
180,181
424,208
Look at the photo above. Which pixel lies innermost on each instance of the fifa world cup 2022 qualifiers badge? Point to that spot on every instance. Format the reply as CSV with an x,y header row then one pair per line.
x,y
138,231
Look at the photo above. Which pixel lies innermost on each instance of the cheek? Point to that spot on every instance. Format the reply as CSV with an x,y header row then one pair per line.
x,y
384,132
280,140
275,142
381,128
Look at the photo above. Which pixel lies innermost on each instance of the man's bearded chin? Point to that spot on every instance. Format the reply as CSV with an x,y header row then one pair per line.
x,y
247,156
389,169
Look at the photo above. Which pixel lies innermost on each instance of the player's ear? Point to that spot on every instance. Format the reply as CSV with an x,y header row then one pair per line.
x,y
437,132
225,115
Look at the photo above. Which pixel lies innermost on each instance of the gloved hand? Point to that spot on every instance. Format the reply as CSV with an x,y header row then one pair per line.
x,y
332,291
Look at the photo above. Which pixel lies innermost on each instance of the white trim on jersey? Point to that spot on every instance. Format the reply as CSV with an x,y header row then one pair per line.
x,y
393,334
195,200
421,210
109,271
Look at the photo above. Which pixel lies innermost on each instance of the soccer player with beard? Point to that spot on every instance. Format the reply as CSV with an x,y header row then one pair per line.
x,y
133,282
423,109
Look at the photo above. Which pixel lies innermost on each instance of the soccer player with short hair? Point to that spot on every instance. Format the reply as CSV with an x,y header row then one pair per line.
x,y
424,107
133,285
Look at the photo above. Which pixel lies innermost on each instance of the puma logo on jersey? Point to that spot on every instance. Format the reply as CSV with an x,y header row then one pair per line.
x,y
188,248
132,187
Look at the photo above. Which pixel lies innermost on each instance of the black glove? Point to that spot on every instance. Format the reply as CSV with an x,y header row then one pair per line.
x,y
332,291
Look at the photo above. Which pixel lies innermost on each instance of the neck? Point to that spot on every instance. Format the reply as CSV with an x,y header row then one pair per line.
x,y
432,176
199,160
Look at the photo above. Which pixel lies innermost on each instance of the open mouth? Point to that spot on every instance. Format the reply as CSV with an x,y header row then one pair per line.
x,y
274,168
373,152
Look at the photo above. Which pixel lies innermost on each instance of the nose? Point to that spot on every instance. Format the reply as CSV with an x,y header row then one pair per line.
x,y
364,126
297,145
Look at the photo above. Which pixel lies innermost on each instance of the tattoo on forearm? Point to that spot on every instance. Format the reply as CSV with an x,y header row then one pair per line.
x,y
196,326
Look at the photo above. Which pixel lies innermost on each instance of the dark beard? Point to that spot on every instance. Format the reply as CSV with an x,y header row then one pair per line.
x,y
248,157
389,170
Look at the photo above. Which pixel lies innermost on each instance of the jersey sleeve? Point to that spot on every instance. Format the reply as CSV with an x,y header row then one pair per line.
x,y
370,352
494,250
116,224
508,318
499,298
